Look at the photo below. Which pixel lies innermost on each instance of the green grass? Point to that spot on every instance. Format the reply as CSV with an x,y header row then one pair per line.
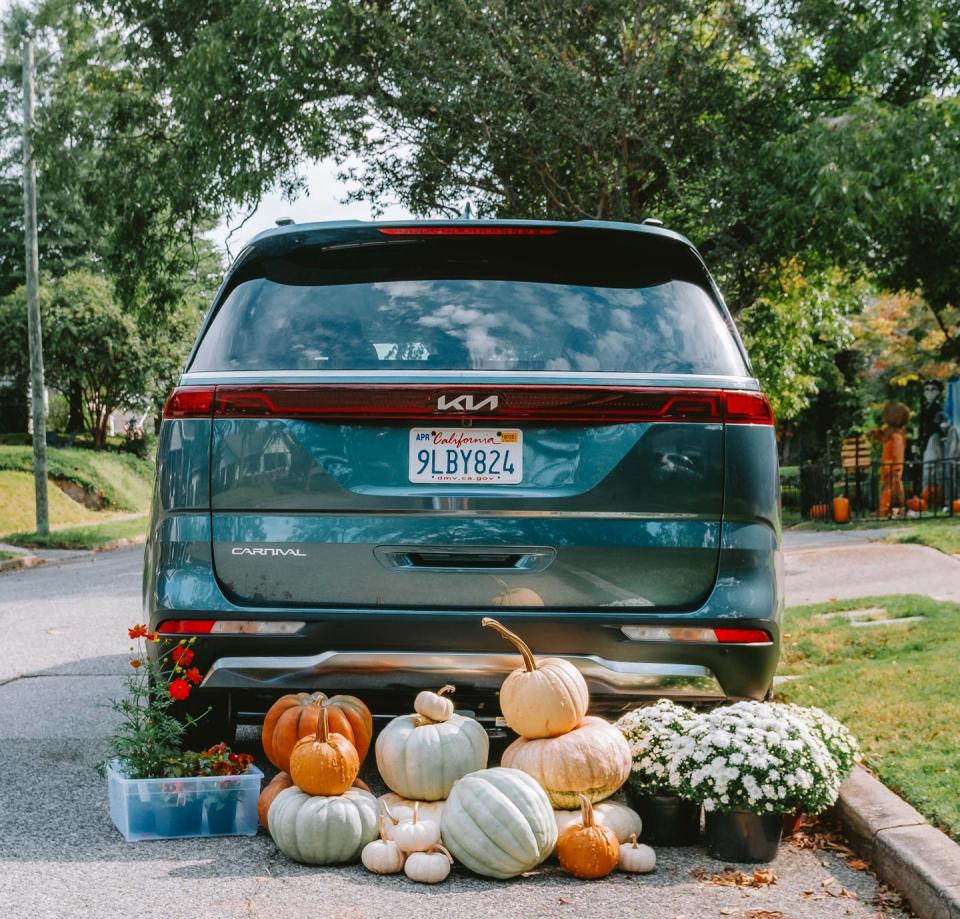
x,y
941,534
6,556
125,480
896,687
86,537
18,505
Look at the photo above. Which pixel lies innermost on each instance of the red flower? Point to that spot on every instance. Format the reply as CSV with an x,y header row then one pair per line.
x,y
183,656
154,637
194,675
135,663
179,689
138,631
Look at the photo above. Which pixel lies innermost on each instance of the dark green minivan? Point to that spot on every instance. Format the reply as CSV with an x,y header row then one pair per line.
x,y
387,431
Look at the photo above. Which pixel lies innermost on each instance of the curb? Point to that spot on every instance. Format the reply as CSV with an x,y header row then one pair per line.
x,y
22,561
121,543
913,857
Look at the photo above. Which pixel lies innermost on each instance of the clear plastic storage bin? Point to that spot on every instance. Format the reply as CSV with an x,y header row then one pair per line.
x,y
179,808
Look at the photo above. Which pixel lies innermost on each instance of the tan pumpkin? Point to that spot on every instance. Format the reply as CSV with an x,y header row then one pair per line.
x,y
434,705
295,715
277,784
592,759
624,821
325,764
543,698
588,849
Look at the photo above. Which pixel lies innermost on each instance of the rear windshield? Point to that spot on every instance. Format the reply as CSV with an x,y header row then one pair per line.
x,y
528,305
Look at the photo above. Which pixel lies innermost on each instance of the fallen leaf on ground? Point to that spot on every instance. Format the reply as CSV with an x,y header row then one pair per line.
x,y
563,899
857,864
731,877
763,914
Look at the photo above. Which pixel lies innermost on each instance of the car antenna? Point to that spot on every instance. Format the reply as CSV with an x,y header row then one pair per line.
x,y
284,221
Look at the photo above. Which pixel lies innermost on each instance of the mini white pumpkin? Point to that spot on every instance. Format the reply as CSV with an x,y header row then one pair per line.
x,y
382,856
430,867
398,809
416,835
637,857
419,758
433,705
618,817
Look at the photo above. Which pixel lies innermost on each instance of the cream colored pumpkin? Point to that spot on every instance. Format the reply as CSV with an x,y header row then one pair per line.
x,y
399,810
421,759
416,835
593,759
544,698
621,819
434,705
382,856
637,858
430,867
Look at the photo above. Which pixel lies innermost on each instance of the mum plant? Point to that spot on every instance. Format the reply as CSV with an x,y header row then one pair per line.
x,y
650,731
836,738
755,757
148,741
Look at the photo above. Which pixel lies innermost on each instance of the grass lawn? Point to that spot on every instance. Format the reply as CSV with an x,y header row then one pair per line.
x,y
896,687
5,556
943,534
18,510
85,537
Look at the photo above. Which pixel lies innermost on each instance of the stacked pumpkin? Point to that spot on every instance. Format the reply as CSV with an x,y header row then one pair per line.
x,y
316,809
578,760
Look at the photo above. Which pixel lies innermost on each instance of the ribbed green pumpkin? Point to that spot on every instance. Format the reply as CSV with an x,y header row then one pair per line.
x,y
421,759
499,823
318,830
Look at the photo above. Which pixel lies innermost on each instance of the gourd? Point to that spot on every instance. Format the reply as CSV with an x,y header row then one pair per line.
x,y
323,830
416,835
433,705
543,698
295,715
399,810
382,856
593,759
277,784
325,764
430,867
419,758
637,858
621,819
498,822
588,849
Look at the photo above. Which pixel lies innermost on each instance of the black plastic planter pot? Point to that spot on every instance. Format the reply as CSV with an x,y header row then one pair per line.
x,y
740,836
667,819
221,817
140,815
184,819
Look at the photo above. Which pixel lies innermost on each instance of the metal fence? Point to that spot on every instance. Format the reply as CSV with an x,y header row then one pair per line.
x,y
912,489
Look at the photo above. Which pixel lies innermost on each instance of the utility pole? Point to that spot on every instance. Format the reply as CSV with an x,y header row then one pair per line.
x,y
37,387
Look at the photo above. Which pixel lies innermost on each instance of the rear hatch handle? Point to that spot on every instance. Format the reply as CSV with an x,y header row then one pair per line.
x,y
476,559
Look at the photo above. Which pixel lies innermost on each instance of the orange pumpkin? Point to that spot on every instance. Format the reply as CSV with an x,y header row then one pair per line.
x,y
819,511
588,849
955,505
325,764
294,716
916,504
277,784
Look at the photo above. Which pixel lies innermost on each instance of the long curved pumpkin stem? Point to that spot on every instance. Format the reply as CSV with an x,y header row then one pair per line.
x,y
436,847
586,812
383,829
323,724
448,688
633,840
386,807
528,659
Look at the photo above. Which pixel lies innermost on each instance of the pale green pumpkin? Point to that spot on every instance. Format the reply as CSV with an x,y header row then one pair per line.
x,y
421,759
319,830
498,822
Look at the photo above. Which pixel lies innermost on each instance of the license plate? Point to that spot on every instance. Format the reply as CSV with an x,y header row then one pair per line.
x,y
473,456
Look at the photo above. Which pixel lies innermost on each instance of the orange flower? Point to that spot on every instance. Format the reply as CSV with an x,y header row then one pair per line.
x,y
179,690
136,662
194,675
138,631
183,656
154,637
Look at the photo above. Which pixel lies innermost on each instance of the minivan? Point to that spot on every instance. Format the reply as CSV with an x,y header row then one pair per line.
x,y
387,431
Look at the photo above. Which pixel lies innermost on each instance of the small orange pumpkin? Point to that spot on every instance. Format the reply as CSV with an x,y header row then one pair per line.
x,y
325,764
955,505
916,504
819,511
588,849
295,715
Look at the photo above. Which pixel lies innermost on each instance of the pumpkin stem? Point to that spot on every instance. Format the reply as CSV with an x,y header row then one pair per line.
x,y
586,812
633,840
422,720
416,811
323,724
528,660
389,813
446,689
383,829
436,847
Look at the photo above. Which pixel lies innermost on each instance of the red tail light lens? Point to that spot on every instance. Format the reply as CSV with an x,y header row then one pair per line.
x,y
190,402
747,408
468,231
742,636
186,626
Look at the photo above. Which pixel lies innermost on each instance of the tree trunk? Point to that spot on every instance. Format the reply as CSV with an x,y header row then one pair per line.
x,y
75,423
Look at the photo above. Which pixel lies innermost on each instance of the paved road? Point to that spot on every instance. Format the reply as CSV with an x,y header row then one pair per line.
x,y
64,652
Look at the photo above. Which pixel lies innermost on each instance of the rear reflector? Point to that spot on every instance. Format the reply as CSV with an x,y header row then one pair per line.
x,y
468,231
695,633
228,627
190,402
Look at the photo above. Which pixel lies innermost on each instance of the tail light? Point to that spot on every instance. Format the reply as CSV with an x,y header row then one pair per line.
x,y
697,633
190,402
228,627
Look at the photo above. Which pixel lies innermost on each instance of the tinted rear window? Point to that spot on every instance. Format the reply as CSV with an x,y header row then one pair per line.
x,y
500,304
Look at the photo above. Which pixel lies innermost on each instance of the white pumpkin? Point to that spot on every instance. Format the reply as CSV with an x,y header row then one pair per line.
x,y
430,867
499,823
544,698
593,759
434,705
319,830
399,810
416,835
636,857
618,817
421,759
382,856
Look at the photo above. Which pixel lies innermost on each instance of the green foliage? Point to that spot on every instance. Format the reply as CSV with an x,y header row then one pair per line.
x,y
82,537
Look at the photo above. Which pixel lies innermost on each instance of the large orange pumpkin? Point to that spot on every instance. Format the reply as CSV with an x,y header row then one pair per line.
x,y
277,784
819,511
294,716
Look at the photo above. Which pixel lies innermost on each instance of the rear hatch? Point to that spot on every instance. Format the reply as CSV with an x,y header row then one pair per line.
x,y
463,416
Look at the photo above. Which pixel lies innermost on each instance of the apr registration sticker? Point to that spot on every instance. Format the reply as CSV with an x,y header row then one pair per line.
x,y
471,456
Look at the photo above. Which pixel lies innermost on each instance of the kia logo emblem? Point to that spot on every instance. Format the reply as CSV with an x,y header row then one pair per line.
x,y
466,403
